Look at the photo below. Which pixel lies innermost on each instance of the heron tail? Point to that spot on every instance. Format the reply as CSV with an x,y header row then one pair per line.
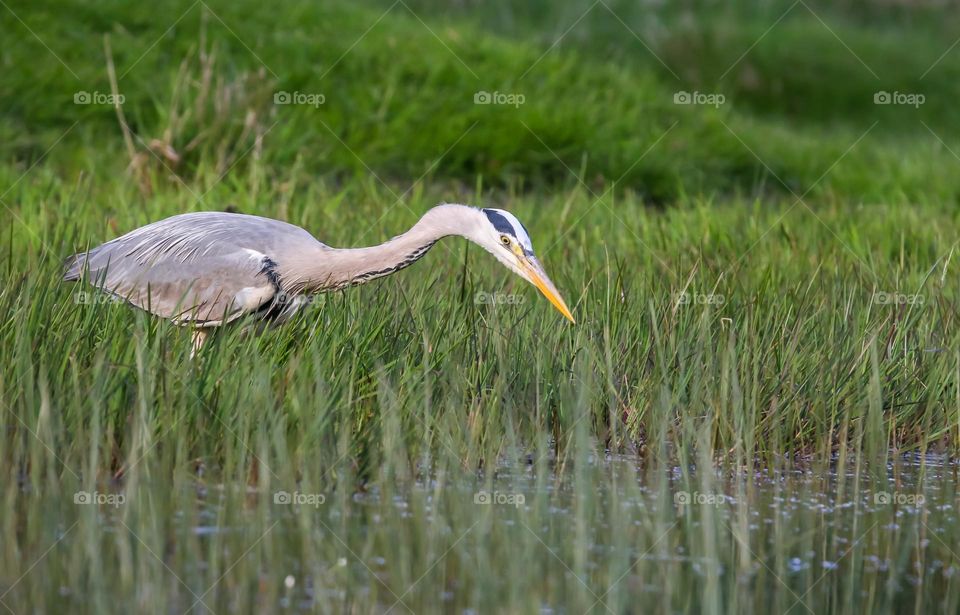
x,y
73,266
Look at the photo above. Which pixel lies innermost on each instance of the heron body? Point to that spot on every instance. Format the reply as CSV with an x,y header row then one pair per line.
x,y
206,269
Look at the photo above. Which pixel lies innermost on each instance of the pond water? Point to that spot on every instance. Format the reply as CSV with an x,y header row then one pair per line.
x,y
605,535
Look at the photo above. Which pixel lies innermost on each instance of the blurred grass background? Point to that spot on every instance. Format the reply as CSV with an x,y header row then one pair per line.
x,y
598,80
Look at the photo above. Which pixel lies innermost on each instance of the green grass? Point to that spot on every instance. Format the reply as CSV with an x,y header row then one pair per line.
x,y
799,357
401,101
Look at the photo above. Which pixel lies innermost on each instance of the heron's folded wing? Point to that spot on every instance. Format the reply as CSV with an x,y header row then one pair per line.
x,y
206,287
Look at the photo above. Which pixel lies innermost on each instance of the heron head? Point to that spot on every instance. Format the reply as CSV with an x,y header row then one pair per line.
x,y
506,238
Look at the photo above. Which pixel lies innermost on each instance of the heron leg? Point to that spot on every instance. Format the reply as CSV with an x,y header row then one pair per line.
x,y
199,337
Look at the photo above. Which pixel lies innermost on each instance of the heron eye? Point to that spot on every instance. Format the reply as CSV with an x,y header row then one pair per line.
x,y
504,240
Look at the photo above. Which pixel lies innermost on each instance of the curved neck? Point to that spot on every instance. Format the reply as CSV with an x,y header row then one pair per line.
x,y
335,268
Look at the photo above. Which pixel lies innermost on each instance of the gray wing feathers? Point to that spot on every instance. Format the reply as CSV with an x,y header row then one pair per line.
x,y
204,268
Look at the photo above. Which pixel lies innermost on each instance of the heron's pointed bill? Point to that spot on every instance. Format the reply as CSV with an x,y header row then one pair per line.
x,y
538,277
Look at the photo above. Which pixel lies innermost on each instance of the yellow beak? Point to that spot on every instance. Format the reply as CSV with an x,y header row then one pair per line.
x,y
538,277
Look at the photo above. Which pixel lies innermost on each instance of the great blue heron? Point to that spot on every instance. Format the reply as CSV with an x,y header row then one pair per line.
x,y
206,269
